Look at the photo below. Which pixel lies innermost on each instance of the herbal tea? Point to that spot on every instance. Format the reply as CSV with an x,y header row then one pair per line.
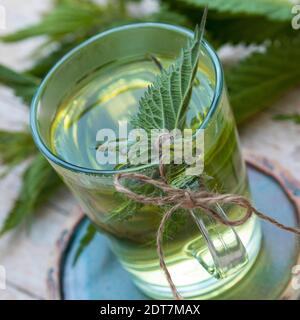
x,y
111,95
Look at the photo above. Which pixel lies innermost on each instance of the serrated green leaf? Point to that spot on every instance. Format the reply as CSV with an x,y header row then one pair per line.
x,y
67,18
164,104
228,27
272,9
39,182
259,80
15,147
87,238
166,100
248,30
24,85
74,21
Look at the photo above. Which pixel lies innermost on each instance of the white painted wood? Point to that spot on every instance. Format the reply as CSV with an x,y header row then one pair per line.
x,y
278,140
12,293
25,254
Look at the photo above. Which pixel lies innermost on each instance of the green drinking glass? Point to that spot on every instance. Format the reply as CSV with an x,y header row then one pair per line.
x,y
98,85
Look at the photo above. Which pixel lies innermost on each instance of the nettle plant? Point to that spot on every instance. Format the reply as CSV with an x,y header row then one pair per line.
x,y
254,83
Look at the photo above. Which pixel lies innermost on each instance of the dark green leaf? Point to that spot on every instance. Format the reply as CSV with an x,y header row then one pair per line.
x,y
23,84
66,18
166,100
87,238
15,147
259,80
228,27
39,183
247,30
272,9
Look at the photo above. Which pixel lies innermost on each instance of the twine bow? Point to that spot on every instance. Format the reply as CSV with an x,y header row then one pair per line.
x,y
189,200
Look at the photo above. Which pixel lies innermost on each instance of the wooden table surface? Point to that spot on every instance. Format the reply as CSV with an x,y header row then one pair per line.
x,y
25,254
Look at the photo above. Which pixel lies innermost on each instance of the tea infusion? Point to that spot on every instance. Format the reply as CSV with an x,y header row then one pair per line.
x,y
111,95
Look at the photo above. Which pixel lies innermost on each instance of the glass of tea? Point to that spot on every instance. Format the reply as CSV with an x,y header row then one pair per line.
x,y
99,85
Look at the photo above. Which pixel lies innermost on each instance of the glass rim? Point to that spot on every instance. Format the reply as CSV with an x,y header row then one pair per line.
x,y
219,79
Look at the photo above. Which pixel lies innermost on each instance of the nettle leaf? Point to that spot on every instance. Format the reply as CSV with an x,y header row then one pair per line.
x,y
40,181
87,238
162,107
15,147
230,27
247,29
272,9
259,80
166,100
66,18
74,20
24,85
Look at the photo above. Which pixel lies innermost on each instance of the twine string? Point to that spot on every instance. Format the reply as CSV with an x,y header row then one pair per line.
x,y
189,200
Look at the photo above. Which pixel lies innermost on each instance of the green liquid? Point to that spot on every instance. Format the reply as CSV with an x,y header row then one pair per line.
x,y
111,95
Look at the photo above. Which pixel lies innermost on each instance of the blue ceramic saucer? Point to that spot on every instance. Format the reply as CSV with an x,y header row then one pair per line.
x,y
97,273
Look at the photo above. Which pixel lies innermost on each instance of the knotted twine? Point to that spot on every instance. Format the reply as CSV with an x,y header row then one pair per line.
x,y
189,200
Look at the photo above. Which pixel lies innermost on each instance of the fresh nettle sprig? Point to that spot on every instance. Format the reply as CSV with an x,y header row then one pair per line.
x,y
238,21
164,104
